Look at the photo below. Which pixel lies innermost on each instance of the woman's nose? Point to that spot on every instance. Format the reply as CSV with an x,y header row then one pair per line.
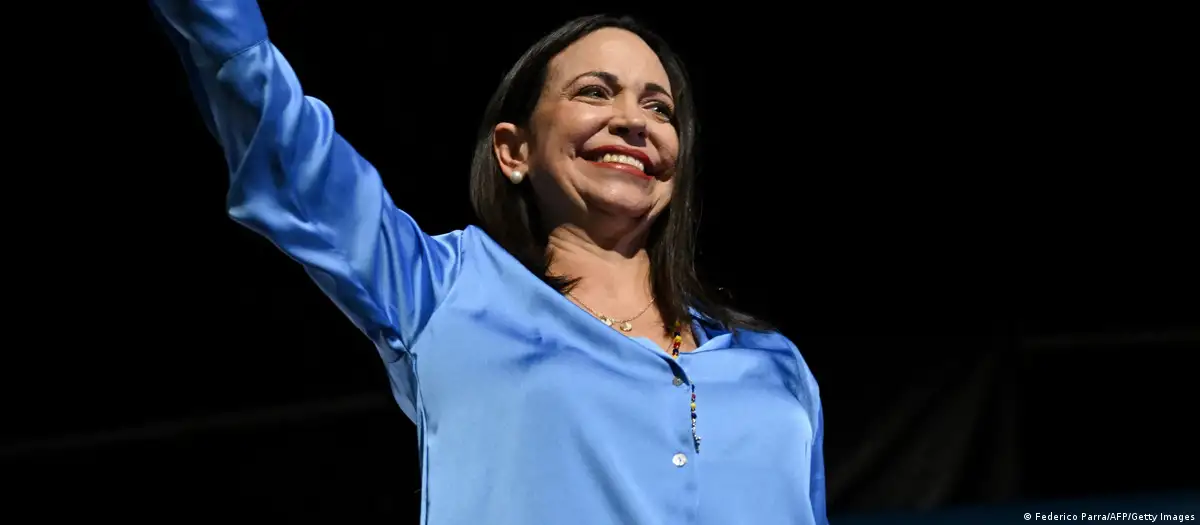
x,y
628,122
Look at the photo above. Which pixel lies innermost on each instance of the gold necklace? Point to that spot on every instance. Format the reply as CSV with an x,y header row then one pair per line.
x,y
624,324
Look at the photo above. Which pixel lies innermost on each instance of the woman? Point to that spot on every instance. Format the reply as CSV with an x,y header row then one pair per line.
x,y
560,363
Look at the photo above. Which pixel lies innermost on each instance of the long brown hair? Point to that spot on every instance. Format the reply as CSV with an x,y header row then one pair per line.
x,y
508,212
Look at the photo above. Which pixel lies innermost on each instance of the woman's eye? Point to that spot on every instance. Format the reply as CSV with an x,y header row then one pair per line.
x,y
661,109
593,91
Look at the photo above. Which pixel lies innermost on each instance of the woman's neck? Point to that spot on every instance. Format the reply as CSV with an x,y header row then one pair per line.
x,y
611,274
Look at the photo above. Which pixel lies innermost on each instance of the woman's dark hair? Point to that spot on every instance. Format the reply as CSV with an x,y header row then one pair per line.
x,y
508,211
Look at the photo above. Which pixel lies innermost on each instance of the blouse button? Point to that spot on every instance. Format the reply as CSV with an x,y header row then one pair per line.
x,y
679,460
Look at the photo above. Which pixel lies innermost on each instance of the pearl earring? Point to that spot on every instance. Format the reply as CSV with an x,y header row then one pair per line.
x,y
516,177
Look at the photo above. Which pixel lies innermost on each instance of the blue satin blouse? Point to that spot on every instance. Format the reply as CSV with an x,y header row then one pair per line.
x,y
529,410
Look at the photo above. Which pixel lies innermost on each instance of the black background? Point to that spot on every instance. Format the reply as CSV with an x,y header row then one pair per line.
x,y
914,196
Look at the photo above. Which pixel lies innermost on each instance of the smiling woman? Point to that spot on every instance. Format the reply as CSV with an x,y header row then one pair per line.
x,y
560,361
581,112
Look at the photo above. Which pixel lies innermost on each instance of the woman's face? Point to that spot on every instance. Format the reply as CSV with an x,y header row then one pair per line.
x,y
601,147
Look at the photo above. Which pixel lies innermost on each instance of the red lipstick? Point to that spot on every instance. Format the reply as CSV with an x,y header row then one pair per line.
x,y
596,156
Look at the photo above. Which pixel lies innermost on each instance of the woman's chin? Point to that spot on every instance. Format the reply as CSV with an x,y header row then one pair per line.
x,y
622,198
632,207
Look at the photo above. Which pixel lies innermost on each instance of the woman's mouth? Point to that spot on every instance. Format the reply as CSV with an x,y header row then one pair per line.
x,y
619,161
611,158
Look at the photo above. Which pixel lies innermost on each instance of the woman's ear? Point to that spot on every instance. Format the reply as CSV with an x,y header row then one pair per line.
x,y
512,150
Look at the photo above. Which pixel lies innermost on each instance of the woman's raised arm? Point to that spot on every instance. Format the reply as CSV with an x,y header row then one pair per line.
x,y
294,180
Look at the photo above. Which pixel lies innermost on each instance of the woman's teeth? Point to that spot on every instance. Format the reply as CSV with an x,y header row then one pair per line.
x,y
623,159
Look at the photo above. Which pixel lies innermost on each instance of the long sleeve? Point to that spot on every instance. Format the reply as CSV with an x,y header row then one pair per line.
x,y
816,484
294,180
